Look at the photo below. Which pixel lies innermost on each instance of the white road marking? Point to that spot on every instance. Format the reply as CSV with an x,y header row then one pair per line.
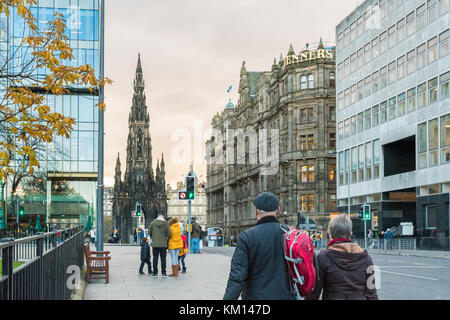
x,y
417,267
396,261
410,275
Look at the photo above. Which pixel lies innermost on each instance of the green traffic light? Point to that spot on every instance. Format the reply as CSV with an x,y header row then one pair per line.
x,y
191,195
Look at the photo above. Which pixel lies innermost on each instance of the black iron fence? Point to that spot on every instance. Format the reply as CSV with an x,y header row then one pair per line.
x,y
19,232
39,267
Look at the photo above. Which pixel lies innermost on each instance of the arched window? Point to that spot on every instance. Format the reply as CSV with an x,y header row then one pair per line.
x,y
303,84
311,81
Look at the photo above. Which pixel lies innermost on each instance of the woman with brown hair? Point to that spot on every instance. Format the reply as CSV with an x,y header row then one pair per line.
x,y
175,244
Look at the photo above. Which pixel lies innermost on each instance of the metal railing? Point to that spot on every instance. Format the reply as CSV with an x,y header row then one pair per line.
x,y
35,268
20,232
400,244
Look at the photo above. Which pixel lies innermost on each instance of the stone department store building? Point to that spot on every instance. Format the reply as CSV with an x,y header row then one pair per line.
x,y
297,97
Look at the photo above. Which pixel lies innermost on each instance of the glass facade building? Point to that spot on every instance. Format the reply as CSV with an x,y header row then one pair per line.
x,y
64,191
393,115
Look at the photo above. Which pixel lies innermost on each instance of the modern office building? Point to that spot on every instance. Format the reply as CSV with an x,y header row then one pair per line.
x,y
64,189
296,101
393,115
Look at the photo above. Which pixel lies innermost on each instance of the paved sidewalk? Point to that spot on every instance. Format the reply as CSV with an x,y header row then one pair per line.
x,y
206,278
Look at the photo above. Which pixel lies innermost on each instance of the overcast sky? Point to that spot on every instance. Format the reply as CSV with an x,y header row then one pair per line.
x,y
192,51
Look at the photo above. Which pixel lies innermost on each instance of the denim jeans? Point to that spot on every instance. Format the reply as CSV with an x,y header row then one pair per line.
x,y
195,245
174,256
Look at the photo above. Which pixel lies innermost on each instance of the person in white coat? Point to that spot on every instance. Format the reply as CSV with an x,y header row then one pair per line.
x,y
92,234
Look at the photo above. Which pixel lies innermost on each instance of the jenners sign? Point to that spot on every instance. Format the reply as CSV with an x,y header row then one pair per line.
x,y
306,56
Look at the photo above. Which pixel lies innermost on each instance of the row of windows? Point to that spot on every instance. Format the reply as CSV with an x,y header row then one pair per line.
x,y
22,56
296,82
415,20
407,64
307,202
434,136
81,24
306,142
414,98
387,40
303,82
361,163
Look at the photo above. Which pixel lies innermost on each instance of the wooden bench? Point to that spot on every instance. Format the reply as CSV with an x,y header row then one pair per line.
x,y
97,264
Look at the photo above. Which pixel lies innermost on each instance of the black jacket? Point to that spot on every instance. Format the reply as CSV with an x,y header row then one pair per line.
x,y
344,274
145,251
258,268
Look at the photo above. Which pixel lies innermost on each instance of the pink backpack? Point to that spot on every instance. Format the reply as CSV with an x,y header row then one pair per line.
x,y
299,254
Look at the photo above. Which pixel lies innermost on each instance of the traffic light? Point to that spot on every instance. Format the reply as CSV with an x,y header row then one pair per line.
x,y
361,212
367,213
138,209
21,211
190,187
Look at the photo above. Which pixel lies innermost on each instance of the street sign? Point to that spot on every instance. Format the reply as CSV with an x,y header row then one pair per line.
x,y
182,195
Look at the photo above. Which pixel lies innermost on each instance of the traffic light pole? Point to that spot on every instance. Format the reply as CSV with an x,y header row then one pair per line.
x,y
190,226
365,234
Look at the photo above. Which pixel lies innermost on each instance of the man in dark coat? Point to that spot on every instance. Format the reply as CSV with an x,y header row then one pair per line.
x,y
346,272
258,268
160,233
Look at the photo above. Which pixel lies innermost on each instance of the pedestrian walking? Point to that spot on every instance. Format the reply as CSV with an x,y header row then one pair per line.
x,y
389,236
381,240
195,236
175,245
182,255
92,234
258,268
145,256
343,268
160,233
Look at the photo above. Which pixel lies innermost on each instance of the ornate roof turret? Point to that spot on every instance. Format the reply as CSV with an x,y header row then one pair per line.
x,y
229,105
243,69
291,51
321,46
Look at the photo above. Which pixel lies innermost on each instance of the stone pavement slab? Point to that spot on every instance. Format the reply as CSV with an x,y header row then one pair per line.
x,y
205,279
